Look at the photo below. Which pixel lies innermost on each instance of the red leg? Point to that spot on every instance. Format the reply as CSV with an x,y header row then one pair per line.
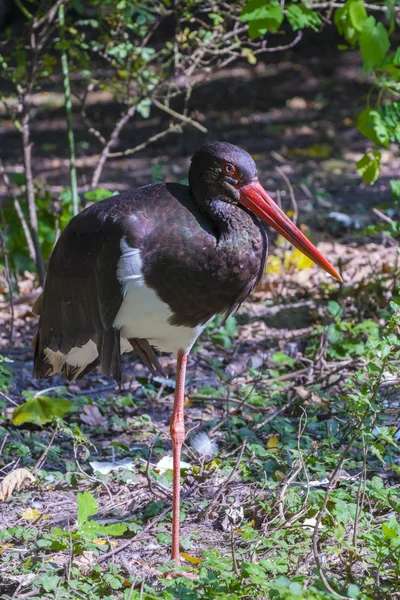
x,y
177,428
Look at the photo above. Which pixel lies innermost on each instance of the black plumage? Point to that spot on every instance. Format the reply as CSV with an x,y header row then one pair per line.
x,y
202,253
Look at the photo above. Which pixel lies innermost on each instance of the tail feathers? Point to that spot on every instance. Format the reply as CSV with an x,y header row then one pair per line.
x,y
110,354
80,359
37,305
72,364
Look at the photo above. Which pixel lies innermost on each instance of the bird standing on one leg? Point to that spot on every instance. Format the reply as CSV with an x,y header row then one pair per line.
x,y
151,267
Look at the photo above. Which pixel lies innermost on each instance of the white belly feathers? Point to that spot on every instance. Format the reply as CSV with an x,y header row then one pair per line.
x,y
143,314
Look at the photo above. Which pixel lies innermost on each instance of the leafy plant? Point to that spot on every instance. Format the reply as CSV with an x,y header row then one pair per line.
x,y
40,409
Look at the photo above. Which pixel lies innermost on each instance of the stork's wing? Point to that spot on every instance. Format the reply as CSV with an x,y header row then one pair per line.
x,y
81,299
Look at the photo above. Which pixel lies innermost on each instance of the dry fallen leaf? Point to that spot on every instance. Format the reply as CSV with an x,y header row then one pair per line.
x,y
5,547
32,514
167,464
192,559
84,562
101,542
12,481
92,416
311,522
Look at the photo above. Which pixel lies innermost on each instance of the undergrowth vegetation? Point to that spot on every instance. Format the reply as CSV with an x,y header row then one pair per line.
x,y
303,473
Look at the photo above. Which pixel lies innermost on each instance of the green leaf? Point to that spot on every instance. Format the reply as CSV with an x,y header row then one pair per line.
x,y
92,529
353,591
358,14
374,43
143,107
395,185
344,24
334,308
371,125
164,539
368,166
115,582
262,16
230,326
98,194
40,410
250,569
301,17
391,529
50,583
87,506
282,358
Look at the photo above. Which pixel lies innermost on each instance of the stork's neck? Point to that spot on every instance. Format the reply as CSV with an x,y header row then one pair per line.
x,y
229,220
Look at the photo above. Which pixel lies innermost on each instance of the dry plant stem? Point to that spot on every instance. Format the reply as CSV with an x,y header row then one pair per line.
x,y
42,458
9,283
18,210
3,443
234,560
136,537
315,537
360,495
33,592
91,129
217,496
373,7
179,116
91,478
122,121
291,192
30,191
142,146
301,467
68,114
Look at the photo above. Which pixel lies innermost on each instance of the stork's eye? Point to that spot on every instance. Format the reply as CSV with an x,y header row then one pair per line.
x,y
230,170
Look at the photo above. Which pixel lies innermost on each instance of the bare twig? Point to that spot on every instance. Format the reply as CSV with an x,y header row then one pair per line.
x,y
382,216
42,458
179,116
18,210
122,121
227,481
291,192
30,191
8,278
150,140
136,537
68,114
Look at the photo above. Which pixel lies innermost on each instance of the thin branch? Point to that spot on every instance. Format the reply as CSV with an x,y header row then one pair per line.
x,y
111,142
18,210
179,116
291,193
49,17
340,5
153,138
42,458
315,537
30,193
68,113
8,278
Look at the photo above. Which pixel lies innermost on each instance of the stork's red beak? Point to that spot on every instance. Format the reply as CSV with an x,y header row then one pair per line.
x,y
254,197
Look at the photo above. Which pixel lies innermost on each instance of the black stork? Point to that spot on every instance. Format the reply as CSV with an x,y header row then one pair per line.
x,y
150,268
